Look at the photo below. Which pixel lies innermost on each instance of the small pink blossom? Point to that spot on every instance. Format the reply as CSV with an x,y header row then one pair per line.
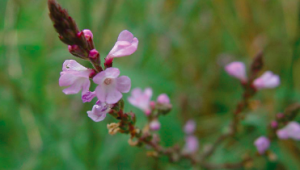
x,y
163,99
99,111
291,130
125,45
262,144
237,70
267,80
141,99
154,125
111,86
191,144
190,127
75,76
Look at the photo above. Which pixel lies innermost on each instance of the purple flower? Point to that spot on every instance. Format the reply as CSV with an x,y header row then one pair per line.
x,y
141,99
125,45
190,127
76,76
262,144
99,111
291,130
110,86
154,125
88,96
163,99
191,144
237,70
267,80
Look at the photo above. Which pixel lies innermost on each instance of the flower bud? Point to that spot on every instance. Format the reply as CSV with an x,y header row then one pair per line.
x,y
87,34
94,54
274,124
154,125
163,99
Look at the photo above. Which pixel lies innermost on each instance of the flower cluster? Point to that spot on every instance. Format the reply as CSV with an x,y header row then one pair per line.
x,y
110,85
266,80
142,100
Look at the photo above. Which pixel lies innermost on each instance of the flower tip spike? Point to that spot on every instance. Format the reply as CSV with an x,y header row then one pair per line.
x,y
237,70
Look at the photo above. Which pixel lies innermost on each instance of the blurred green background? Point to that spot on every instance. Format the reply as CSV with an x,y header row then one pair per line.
x,y
183,47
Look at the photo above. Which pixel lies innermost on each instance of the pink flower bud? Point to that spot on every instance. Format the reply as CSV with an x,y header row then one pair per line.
x,y
267,80
274,124
262,144
87,34
237,70
163,99
190,127
94,54
72,48
291,130
154,125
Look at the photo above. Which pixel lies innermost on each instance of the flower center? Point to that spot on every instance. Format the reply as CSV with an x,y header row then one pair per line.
x,y
108,81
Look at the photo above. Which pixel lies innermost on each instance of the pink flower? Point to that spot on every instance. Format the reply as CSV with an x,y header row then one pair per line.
x,y
191,144
237,70
291,130
154,125
163,99
110,86
99,111
141,99
76,76
267,80
190,127
262,144
125,45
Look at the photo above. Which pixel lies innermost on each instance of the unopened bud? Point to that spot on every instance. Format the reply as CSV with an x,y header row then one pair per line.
x,y
94,54
87,34
154,125
274,124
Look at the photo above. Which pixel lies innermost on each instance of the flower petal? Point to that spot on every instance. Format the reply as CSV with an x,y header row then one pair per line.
x,y
125,35
123,84
72,65
74,88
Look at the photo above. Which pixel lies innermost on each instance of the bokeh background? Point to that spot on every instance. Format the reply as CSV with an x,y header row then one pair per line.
x,y
183,47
